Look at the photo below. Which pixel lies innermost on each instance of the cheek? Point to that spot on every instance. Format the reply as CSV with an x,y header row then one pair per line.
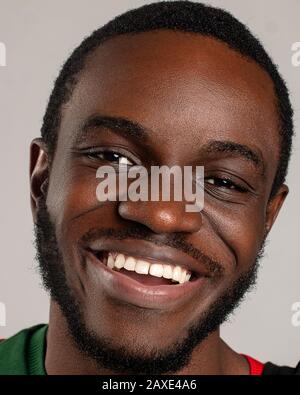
x,y
72,192
73,206
71,196
240,230
246,237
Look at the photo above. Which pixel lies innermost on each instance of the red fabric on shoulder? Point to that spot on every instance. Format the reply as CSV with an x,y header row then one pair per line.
x,y
256,367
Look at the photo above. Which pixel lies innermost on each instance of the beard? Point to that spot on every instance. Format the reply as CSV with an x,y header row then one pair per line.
x,y
102,351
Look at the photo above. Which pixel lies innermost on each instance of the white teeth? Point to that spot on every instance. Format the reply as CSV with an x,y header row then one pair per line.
x,y
119,261
182,277
187,277
142,267
177,273
130,263
174,273
168,271
156,270
110,261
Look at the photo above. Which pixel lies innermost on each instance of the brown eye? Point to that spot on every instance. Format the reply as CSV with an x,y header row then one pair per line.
x,y
225,183
111,156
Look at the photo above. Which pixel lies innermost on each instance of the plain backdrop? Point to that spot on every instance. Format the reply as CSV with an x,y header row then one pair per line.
x,y
39,35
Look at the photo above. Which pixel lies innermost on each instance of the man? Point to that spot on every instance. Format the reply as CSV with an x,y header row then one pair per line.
x,y
170,83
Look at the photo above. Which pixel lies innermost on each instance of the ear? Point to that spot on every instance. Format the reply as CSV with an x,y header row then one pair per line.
x,y
39,173
274,206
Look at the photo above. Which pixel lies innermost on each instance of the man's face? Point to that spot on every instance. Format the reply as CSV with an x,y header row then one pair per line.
x,y
200,103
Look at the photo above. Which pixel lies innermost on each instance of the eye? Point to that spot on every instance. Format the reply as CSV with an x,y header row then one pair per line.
x,y
112,157
220,182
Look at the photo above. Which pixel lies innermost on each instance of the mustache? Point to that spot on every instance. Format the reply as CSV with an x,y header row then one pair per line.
x,y
174,240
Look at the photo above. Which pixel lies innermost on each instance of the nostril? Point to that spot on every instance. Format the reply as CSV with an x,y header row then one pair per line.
x,y
161,216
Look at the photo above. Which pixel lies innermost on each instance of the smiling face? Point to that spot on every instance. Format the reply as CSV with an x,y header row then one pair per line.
x,y
161,98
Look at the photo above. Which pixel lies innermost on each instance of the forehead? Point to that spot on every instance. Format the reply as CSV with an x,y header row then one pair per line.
x,y
185,87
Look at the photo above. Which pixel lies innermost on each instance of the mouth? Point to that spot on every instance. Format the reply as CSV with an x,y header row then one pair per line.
x,y
144,270
142,281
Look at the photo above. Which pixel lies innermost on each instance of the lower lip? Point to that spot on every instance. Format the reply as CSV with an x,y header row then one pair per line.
x,y
125,289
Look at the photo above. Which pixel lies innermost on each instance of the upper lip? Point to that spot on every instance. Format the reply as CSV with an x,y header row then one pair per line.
x,y
151,252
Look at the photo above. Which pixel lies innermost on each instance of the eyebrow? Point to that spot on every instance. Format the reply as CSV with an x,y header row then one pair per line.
x,y
244,151
123,126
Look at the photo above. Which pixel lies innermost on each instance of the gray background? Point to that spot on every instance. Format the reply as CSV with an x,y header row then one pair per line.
x,y
39,35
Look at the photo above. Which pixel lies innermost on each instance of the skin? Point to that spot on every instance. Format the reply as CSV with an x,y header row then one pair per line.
x,y
187,90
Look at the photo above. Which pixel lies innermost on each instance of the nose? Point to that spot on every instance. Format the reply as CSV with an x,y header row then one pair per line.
x,y
161,216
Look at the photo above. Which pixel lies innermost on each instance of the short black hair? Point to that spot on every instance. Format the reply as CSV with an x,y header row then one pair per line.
x,y
183,16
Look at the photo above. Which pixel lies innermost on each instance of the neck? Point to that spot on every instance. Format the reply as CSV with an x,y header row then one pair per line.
x,y
212,357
